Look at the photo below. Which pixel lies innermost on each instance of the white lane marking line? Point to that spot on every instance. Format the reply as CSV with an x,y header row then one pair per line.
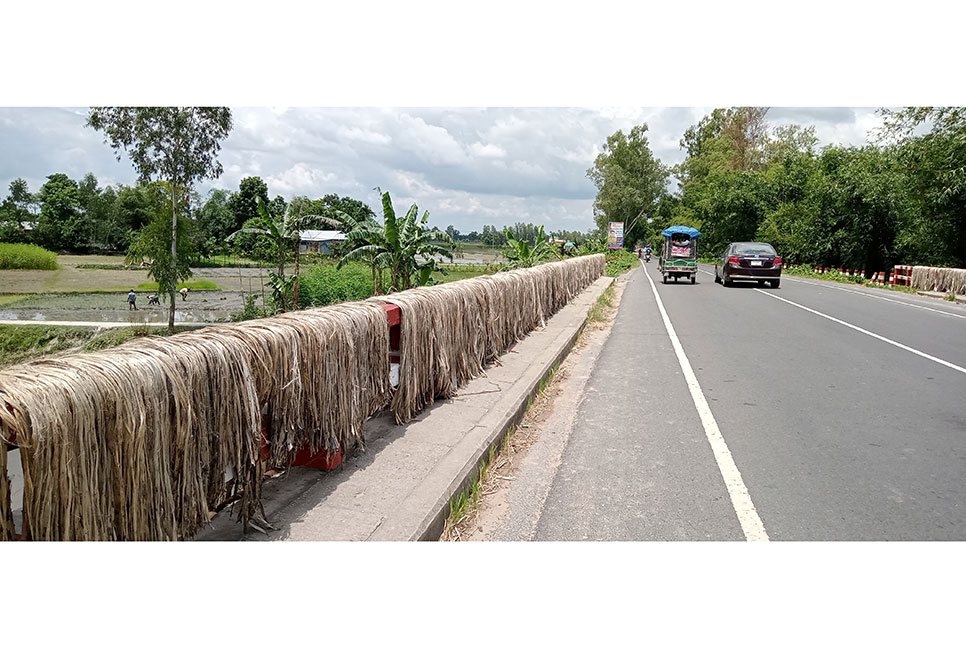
x,y
751,524
869,333
894,301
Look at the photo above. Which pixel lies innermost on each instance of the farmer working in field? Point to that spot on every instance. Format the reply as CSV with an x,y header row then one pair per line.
x,y
153,299
130,300
184,293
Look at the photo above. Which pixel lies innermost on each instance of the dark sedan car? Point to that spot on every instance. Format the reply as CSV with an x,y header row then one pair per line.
x,y
749,262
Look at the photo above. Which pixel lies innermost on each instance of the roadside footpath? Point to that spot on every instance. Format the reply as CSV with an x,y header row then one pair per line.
x,y
400,487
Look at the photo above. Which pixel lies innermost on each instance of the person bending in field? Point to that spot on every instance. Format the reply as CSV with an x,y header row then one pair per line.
x,y
184,293
131,296
153,299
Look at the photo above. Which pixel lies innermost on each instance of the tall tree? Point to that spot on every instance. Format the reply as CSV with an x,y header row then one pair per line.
x,y
215,221
932,147
244,202
60,226
176,144
17,212
630,182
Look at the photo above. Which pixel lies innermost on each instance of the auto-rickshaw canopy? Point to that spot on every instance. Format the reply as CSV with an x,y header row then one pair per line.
x,y
681,229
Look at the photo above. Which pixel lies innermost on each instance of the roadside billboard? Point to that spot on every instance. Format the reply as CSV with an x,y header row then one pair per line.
x,y
615,236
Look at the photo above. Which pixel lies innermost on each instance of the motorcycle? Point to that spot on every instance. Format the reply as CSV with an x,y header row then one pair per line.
x,y
647,256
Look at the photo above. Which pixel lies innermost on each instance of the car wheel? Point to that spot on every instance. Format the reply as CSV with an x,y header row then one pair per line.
x,y
717,279
775,283
665,278
726,282
692,280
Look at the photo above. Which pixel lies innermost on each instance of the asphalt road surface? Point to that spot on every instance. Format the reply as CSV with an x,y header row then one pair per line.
x,y
817,411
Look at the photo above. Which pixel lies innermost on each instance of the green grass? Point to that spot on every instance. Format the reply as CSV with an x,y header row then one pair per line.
x,y
7,300
152,286
620,261
20,343
25,256
605,301
324,283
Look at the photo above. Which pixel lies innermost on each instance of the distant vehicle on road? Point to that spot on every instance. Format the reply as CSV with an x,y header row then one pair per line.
x,y
749,261
679,253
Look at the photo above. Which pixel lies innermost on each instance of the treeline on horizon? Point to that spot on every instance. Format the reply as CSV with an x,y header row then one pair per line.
x,y
67,215
900,199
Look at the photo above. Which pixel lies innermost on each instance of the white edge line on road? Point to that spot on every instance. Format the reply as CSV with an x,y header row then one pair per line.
x,y
751,524
858,292
869,333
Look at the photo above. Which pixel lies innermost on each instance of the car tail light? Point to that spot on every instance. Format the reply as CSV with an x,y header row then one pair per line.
x,y
777,262
733,260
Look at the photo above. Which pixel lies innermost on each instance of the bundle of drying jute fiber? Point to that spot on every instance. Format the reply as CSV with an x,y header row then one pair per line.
x,y
132,443
449,332
319,373
939,279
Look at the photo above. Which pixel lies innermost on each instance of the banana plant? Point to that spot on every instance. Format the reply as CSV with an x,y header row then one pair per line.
x,y
284,231
406,246
521,255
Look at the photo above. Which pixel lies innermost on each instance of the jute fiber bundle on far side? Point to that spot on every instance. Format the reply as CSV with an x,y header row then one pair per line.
x,y
939,279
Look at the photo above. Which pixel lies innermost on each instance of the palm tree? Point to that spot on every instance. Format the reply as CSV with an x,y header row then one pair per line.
x,y
283,231
404,245
521,255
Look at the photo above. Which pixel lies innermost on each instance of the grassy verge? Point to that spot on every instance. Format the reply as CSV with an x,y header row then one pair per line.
x,y
20,343
598,312
25,256
620,261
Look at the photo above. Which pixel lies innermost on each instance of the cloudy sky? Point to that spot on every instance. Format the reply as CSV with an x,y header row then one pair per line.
x,y
467,166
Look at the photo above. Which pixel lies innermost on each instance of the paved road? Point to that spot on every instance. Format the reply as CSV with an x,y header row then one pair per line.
x,y
826,432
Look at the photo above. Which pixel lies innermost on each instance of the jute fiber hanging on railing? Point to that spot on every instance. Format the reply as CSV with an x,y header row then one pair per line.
x,y
939,279
131,443
135,442
448,332
141,441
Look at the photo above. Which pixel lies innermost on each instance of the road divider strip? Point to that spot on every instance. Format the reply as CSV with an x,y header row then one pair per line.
x,y
945,363
751,524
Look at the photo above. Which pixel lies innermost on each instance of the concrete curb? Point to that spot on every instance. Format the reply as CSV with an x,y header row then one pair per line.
x,y
422,514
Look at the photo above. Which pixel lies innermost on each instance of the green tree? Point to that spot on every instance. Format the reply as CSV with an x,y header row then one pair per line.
x,y
630,182
215,222
178,145
61,225
931,145
17,213
153,241
244,203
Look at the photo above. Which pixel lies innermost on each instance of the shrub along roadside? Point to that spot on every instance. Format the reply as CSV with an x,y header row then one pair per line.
x,y
26,256
620,261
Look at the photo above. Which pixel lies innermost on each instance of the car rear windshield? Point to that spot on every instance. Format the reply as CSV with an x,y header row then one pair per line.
x,y
754,248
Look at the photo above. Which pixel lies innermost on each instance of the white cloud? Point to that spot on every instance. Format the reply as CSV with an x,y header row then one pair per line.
x,y
467,166
487,150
